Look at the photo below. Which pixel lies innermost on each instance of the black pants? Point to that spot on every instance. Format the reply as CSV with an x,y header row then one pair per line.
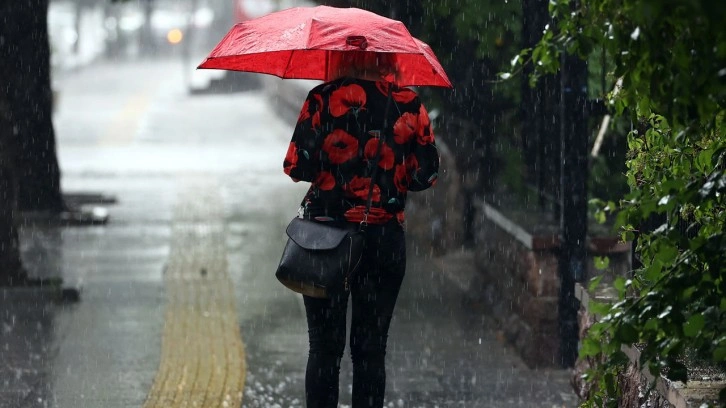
x,y
374,290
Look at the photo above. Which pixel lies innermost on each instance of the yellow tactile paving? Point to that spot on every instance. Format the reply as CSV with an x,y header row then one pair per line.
x,y
202,355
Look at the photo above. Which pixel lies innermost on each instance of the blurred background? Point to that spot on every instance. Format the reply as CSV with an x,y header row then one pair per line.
x,y
81,31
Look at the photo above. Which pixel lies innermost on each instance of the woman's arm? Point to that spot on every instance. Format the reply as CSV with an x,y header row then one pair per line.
x,y
423,161
301,160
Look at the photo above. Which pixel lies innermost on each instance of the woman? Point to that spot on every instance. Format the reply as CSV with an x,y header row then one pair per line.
x,y
333,147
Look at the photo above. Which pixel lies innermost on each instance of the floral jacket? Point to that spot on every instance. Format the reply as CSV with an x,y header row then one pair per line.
x,y
335,142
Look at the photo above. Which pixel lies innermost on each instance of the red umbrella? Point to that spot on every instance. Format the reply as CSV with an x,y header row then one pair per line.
x,y
307,43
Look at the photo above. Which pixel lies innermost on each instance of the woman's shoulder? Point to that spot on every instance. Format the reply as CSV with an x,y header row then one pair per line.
x,y
401,95
330,86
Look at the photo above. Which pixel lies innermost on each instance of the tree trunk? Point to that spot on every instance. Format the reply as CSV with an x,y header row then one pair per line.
x,y
10,265
25,69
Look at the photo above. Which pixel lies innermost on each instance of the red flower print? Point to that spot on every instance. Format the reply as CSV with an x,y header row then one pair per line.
x,y
375,215
423,132
411,164
404,128
325,181
340,146
318,109
403,95
304,112
290,158
387,156
403,174
383,87
345,98
315,123
358,187
401,178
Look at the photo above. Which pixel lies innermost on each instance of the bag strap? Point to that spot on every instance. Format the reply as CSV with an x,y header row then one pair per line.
x,y
381,140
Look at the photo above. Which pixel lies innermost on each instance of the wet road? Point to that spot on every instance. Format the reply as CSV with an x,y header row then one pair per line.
x,y
190,247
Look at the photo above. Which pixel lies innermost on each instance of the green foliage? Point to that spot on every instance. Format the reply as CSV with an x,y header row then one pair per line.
x,y
474,37
489,24
670,53
671,57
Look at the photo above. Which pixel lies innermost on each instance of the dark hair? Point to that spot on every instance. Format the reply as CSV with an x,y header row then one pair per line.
x,y
372,61
358,63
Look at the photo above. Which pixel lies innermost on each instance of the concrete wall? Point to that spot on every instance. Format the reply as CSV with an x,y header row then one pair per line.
x,y
519,288
519,280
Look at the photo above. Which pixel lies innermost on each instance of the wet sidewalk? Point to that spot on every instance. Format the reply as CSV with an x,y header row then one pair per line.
x,y
180,306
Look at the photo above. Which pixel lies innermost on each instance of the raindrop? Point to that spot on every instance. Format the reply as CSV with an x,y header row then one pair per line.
x,y
635,34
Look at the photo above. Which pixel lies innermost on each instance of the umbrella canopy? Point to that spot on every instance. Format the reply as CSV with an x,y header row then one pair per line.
x,y
308,42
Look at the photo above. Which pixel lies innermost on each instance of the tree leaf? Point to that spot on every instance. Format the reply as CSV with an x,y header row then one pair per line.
x,y
703,160
589,348
601,262
595,282
719,354
653,272
626,333
694,325
598,308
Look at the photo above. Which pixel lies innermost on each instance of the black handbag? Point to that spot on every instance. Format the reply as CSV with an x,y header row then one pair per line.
x,y
320,259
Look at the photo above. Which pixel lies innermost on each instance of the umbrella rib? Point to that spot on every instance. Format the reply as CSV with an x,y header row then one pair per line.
x,y
287,65
327,64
